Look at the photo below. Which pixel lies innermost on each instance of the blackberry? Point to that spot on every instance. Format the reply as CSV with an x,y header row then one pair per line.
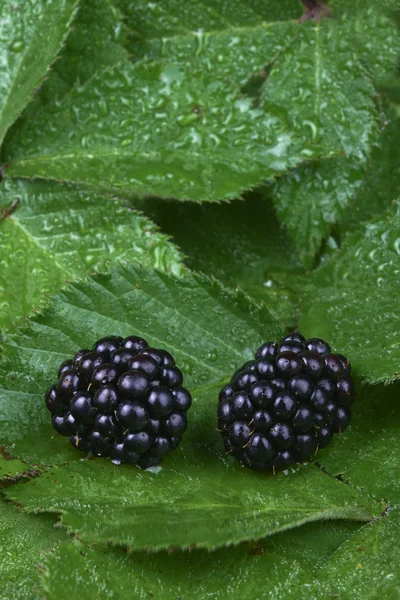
x,y
282,407
125,401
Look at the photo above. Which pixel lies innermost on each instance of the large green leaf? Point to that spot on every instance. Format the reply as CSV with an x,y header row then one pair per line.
x,y
241,243
314,197
30,37
366,565
58,233
369,459
200,496
382,184
379,52
152,23
339,193
353,301
182,126
23,538
95,42
274,568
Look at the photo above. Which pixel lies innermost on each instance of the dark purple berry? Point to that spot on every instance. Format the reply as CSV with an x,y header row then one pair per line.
x,y
259,449
106,374
226,393
160,447
174,425
107,425
106,399
78,356
67,365
301,385
291,346
137,344
305,445
107,345
99,444
288,364
345,391
262,421
281,435
342,419
171,376
121,454
132,416
239,434
318,345
283,460
54,403
285,406
82,408
241,405
183,399
133,385
122,357
268,349
225,415
314,364
138,442
262,394
160,402
69,383
88,363
144,362
293,337
333,366
303,419
345,364
324,436
319,399
329,387
266,367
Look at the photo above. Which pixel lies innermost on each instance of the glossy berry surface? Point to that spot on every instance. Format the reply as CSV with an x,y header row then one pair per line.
x,y
282,407
122,400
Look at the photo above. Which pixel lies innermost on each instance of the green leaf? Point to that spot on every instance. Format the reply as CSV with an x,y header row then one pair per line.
x,y
240,243
369,457
200,496
382,184
353,301
96,42
57,233
366,564
313,198
150,24
23,538
189,131
379,52
30,39
281,563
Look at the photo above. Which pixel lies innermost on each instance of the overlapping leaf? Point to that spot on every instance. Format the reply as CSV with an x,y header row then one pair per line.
x,y
354,301
58,233
241,243
278,565
30,37
23,538
182,126
200,496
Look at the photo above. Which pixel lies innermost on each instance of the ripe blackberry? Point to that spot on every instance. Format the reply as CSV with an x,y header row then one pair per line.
x,y
123,400
286,404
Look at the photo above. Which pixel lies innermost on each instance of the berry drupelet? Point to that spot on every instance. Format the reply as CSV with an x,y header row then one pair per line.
x,y
287,403
122,400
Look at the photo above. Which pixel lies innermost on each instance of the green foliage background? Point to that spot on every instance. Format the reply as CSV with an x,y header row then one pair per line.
x,y
208,174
